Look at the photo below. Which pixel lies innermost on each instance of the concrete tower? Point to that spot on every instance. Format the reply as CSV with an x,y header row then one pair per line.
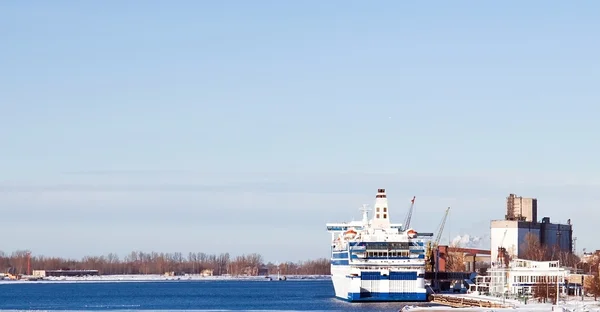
x,y
521,208
381,217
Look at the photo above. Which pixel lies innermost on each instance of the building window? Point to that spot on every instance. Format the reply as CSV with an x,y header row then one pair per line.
x,y
384,209
377,209
377,216
385,215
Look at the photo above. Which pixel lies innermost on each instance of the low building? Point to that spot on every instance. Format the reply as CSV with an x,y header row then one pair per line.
x,y
590,257
263,271
522,275
576,282
481,285
60,273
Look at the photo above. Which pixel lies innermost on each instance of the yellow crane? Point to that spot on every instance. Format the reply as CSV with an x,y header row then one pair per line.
x,y
433,246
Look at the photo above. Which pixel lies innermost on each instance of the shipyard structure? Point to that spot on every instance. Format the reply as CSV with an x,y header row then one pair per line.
x,y
509,235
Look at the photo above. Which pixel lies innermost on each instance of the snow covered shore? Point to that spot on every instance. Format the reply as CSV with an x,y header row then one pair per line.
x,y
158,278
571,305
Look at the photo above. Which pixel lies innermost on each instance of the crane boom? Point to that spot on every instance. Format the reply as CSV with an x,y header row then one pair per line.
x,y
433,252
502,257
441,228
503,237
409,214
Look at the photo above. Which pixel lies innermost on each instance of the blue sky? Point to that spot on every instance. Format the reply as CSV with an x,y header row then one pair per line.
x,y
245,126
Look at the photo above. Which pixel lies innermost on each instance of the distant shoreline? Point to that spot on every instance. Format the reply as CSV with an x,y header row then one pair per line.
x,y
162,278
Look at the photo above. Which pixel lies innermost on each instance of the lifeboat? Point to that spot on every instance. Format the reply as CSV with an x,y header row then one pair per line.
x,y
411,233
351,233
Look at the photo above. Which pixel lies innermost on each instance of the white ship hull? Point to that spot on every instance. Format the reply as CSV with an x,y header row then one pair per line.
x,y
375,260
378,285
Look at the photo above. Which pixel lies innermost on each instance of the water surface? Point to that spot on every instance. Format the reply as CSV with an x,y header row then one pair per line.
x,y
300,295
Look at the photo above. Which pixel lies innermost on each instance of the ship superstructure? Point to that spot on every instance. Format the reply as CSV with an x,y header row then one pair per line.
x,y
376,260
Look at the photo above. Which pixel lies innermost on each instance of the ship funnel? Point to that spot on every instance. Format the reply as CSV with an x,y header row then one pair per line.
x,y
381,217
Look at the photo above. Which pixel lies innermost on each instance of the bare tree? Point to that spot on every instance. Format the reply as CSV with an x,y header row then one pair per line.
x,y
532,249
222,262
592,285
19,260
455,261
544,290
482,267
4,262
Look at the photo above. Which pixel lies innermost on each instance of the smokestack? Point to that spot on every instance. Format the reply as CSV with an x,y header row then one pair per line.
x,y
381,216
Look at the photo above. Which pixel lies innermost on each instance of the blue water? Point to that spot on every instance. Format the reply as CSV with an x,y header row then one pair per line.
x,y
303,295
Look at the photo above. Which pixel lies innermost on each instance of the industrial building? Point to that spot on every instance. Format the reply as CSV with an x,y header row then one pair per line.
x,y
521,219
521,209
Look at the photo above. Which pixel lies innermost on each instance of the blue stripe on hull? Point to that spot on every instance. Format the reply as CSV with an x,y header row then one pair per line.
x,y
340,255
394,276
406,297
393,258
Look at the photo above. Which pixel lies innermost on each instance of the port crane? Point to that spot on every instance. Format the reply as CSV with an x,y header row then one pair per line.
x,y
409,214
433,246
503,258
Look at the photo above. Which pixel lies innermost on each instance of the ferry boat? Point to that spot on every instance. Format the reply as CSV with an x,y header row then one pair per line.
x,y
375,260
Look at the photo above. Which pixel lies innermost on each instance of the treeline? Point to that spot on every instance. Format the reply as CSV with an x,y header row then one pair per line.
x,y
534,250
138,262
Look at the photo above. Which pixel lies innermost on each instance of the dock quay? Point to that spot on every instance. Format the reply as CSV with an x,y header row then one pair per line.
x,y
462,302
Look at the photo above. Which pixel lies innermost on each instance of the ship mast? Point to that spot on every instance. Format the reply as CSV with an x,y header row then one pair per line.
x,y
365,214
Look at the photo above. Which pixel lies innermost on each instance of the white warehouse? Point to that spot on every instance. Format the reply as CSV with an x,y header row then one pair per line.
x,y
522,275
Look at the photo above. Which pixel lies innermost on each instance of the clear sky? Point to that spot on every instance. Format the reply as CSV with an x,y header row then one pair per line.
x,y
245,126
